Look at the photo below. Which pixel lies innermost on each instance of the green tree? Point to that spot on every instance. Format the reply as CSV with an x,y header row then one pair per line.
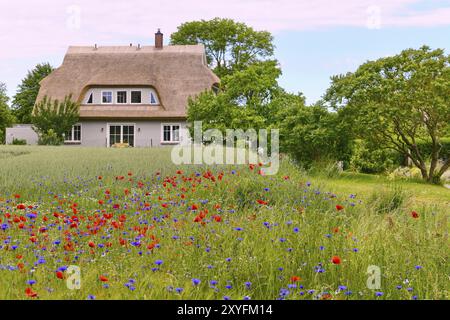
x,y
230,46
245,100
53,119
25,98
6,118
311,133
398,102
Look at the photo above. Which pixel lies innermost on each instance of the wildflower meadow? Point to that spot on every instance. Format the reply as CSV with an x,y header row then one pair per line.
x,y
138,227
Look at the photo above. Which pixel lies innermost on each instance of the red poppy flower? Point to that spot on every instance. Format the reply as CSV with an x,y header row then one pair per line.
x,y
339,207
103,279
100,177
17,196
336,260
21,207
194,207
30,293
415,215
91,244
59,275
262,202
295,278
218,218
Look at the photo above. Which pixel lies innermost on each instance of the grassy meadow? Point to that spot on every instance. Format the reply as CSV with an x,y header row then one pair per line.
x,y
140,227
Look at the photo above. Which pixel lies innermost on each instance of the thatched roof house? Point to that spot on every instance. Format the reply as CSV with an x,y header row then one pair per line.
x,y
175,72
131,94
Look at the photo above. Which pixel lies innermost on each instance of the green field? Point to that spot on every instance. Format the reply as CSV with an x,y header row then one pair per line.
x,y
150,230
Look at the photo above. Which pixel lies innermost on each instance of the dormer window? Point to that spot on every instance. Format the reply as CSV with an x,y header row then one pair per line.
x,y
107,97
153,98
136,97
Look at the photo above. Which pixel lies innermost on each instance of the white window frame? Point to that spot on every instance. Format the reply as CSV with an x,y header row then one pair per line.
x,y
112,96
171,133
73,131
131,93
128,95
108,125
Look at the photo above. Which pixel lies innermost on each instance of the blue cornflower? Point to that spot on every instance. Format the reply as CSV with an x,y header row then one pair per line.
x,y
179,290
296,230
226,298
379,293
91,297
229,286
31,282
159,262
248,284
213,282
195,281
247,298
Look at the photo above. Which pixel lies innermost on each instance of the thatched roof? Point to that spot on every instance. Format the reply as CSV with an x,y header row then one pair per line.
x,y
176,73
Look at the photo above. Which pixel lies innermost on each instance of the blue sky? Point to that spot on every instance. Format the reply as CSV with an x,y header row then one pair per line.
x,y
310,58
314,39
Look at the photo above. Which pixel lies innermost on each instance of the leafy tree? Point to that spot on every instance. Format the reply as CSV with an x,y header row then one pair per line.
x,y
311,133
6,118
230,46
398,102
53,119
25,98
245,100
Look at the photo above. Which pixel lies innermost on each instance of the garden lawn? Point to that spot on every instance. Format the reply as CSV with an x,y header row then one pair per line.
x,y
139,227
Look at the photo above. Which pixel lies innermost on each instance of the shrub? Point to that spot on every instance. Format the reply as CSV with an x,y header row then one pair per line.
x,y
50,138
52,119
19,142
367,159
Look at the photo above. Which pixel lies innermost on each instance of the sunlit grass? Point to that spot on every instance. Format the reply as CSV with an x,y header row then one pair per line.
x,y
295,234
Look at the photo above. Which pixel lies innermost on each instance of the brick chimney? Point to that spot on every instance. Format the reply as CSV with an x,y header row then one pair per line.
x,y
159,37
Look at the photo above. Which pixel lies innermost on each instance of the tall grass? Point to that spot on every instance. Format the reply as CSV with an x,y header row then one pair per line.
x,y
296,234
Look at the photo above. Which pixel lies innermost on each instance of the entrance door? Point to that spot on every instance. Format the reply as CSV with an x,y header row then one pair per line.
x,y
119,133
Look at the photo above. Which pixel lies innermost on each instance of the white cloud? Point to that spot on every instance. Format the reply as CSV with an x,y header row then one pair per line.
x,y
32,28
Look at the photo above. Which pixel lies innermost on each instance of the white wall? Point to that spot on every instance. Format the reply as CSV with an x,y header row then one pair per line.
x,y
22,131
